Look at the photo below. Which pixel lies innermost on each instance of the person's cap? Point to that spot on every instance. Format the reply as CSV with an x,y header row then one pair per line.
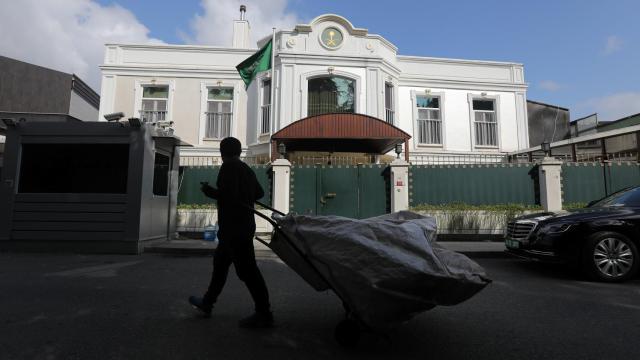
x,y
230,146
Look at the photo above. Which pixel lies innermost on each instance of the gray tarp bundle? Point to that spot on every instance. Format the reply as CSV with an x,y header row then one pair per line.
x,y
386,268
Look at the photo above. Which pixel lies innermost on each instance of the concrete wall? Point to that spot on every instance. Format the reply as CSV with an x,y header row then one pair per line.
x,y
80,109
547,123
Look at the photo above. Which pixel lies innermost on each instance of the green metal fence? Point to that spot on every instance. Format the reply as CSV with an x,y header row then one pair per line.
x,y
475,184
584,182
191,176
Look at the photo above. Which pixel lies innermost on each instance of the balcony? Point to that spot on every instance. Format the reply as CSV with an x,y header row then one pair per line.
x,y
390,116
218,125
152,116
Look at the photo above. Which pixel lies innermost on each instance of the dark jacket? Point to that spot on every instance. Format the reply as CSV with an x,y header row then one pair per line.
x,y
237,189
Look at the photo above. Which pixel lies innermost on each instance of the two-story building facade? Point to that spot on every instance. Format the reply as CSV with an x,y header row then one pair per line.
x,y
430,105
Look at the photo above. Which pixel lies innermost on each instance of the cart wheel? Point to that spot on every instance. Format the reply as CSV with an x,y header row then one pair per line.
x,y
347,333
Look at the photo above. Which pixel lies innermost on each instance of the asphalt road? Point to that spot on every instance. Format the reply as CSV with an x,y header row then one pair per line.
x,y
134,307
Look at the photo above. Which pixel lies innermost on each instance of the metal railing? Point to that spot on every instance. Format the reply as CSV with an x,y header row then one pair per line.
x,y
390,116
218,125
430,131
265,126
217,160
454,159
340,160
486,133
153,116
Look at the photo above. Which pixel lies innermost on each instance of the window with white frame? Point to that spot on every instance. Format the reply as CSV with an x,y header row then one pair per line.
x,y
154,103
429,120
265,109
388,103
485,123
219,113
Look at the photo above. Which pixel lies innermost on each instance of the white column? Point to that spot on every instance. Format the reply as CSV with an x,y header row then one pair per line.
x,y
281,179
550,184
399,185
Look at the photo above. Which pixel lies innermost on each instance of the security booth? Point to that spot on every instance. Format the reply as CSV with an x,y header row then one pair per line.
x,y
93,187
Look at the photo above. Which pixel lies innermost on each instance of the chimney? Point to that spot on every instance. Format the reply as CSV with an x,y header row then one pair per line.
x,y
241,30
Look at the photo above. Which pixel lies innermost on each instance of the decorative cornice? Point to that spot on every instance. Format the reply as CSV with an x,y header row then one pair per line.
x,y
306,28
432,60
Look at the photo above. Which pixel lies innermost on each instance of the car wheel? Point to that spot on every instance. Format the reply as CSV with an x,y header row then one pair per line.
x,y
610,257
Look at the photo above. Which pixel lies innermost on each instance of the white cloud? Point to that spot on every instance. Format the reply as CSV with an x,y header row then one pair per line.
x,y
66,35
614,43
549,85
215,25
612,107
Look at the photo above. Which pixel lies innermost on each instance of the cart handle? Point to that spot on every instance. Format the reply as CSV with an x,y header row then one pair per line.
x,y
270,208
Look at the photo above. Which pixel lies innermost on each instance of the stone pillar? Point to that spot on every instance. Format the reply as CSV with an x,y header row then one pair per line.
x,y
281,169
550,184
399,185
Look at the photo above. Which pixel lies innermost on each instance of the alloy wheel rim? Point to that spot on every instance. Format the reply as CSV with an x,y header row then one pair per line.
x,y
613,257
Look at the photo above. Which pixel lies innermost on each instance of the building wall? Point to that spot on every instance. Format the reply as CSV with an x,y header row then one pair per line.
x,y
30,88
81,109
369,59
547,123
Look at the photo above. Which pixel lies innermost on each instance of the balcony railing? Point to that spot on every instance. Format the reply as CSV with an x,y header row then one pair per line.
x,y
265,126
430,132
152,116
486,133
390,116
218,125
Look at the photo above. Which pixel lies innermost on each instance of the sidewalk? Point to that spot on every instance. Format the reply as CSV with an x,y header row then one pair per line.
x,y
200,247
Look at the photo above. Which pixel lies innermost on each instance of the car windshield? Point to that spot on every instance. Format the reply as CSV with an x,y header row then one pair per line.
x,y
627,197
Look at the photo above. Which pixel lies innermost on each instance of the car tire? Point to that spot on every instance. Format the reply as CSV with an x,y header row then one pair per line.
x,y
610,257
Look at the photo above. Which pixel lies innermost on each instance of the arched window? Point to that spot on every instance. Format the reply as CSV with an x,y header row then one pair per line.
x,y
331,94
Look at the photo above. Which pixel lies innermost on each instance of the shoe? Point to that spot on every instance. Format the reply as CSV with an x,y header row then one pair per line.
x,y
257,321
200,304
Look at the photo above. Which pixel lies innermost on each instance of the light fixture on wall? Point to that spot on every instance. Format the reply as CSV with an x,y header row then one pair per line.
x,y
398,150
219,82
330,69
427,91
483,94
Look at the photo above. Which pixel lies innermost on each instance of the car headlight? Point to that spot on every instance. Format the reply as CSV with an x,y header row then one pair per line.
x,y
555,228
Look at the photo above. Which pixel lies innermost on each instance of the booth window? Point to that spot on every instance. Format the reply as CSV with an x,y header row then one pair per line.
x,y
161,175
219,113
74,168
331,94
154,103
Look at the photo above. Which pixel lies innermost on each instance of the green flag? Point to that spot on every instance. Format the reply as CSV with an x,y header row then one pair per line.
x,y
254,64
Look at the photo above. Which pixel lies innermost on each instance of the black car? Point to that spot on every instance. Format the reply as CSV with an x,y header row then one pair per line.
x,y
603,238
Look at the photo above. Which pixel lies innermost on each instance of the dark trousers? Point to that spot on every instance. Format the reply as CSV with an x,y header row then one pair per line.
x,y
238,250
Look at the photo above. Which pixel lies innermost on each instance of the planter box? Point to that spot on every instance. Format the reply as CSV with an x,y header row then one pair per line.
x,y
472,222
194,220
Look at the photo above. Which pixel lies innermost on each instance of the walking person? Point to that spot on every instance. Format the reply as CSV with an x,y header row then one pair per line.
x,y
236,190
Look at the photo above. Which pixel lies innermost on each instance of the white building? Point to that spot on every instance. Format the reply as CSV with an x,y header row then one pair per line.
x,y
447,106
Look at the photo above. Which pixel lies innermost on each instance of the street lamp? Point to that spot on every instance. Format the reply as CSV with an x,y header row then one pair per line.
x,y
398,150
546,148
282,150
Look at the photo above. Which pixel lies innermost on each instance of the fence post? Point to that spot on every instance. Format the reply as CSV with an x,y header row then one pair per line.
x,y
399,185
550,184
281,169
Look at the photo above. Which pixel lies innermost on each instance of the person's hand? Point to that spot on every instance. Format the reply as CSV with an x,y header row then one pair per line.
x,y
206,189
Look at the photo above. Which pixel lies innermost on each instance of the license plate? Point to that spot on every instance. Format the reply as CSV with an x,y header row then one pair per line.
x,y
514,244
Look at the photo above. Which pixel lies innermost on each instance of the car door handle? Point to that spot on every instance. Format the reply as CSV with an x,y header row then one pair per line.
x,y
330,195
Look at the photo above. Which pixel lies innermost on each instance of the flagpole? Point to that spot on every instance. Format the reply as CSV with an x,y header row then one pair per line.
x,y
273,86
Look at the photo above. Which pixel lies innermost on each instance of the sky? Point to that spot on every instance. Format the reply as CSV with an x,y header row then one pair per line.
x,y
582,55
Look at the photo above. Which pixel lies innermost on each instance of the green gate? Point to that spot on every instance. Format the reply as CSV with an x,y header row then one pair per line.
x,y
357,191
191,176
